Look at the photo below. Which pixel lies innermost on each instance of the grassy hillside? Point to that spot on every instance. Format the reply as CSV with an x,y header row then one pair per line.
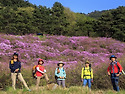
x,y
72,50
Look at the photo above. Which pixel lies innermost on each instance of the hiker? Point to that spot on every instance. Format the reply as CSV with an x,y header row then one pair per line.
x,y
15,67
87,74
60,74
41,72
114,70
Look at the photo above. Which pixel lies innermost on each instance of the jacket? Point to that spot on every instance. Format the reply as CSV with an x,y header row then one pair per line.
x,y
113,68
62,73
15,65
87,73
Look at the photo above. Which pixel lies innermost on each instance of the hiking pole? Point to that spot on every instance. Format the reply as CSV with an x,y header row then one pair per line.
x,y
123,72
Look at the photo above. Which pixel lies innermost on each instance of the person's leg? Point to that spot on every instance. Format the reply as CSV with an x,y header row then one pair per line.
x,y
113,83
22,80
38,81
63,83
46,77
116,84
89,83
59,82
84,82
13,77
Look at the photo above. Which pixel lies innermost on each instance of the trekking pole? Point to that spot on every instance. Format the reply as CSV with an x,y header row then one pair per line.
x,y
123,72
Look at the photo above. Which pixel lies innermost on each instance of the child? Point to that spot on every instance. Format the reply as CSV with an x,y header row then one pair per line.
x,y
87,75
60,74
114,70
41,72
15,67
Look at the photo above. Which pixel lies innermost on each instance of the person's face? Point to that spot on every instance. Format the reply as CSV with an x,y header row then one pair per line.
x,y
113,59
15,56
41,62
60,65
87,65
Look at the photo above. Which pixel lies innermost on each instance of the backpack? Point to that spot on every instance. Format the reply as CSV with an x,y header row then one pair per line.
x,y
34,71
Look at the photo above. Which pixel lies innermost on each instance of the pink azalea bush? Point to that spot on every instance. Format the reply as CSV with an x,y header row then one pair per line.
x,y
73,51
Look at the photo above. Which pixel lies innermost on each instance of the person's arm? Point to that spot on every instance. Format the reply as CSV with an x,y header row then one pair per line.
x,y
19,65
91,73
11,66
56,73
64,74
37,68
120,67
108,70
82,73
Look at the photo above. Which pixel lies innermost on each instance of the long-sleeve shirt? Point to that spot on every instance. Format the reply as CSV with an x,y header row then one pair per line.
x,y
15,65
62,73
86,73
113,68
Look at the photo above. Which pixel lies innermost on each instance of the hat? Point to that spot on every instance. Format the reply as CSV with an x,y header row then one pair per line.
x,y
87,62
40,60
60,63
113,56
15,54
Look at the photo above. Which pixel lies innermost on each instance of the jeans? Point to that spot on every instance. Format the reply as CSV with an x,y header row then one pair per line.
x,y
85,81
114,81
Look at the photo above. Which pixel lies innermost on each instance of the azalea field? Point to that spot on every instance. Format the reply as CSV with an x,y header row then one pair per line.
x,y
73,51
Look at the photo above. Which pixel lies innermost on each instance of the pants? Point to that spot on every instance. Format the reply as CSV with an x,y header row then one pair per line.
x,y
38,79
114,80
115,84
85,81
59,82
20,77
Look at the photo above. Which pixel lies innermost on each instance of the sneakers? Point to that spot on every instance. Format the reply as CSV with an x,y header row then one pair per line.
x,y
29,90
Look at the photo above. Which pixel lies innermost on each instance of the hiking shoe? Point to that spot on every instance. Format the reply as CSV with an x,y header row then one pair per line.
x,y
29,90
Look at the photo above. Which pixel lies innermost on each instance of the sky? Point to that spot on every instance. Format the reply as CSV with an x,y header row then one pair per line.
x,y
82,6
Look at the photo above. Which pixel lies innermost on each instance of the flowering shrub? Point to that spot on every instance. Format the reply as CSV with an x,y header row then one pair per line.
x,y
67,49
73,51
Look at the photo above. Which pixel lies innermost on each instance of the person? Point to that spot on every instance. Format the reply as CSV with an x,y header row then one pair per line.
x,y
41,72
15,67
114,70
87,75
60,74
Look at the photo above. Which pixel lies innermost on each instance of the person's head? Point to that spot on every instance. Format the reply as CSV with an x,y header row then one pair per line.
x,y
40,61
15,57
113,58
60,64
87,63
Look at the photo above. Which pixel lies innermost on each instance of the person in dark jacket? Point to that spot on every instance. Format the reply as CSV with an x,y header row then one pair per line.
x,y
15,67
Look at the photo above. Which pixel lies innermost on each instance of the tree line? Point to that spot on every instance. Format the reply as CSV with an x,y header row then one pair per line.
x,y
21,17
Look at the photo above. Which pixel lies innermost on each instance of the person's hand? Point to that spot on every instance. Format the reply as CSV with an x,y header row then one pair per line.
x,y
109,73
81,79
117,75
92,80
63,77
60,77
16,70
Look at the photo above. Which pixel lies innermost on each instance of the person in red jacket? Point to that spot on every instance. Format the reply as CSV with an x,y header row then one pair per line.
x,y
114,70
41,72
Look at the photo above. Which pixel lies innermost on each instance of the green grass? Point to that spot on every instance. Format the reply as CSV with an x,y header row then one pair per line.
x,y
71,90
